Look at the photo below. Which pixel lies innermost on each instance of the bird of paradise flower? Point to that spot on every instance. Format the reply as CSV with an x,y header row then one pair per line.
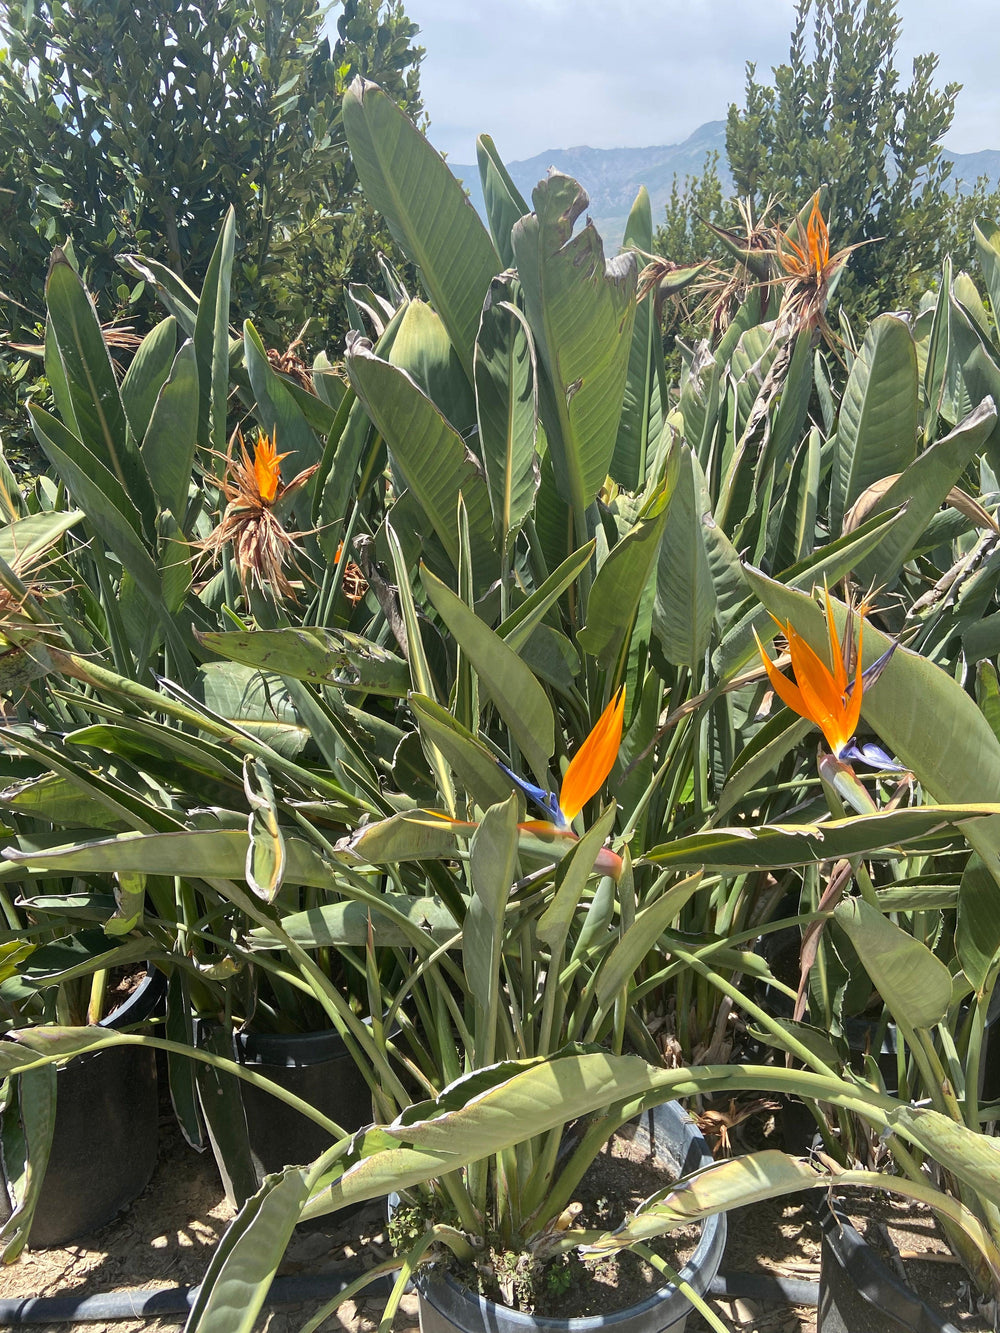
x,y
253,490
825,697
809,272
587,772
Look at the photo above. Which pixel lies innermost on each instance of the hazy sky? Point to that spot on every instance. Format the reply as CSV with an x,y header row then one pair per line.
x,y
540,74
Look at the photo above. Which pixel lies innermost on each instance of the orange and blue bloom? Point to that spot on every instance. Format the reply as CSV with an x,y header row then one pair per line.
x,y
586,774
827,698
552,837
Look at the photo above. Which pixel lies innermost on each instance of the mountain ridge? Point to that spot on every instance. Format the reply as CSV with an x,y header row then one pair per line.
x,y
612,176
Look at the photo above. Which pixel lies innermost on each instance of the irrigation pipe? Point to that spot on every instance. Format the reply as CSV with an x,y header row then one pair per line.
x,y
138,1304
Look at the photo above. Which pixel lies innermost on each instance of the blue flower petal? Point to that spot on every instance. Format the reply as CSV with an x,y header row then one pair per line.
x,y
547,801
873,755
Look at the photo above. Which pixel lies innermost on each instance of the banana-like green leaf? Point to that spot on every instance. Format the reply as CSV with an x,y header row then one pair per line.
x,y
507,411
760,757
581,310
107,505
201,854
521,624
794,533
623,577
517,695
973,370
166,749
24,1167
171,438
492,1109
987,236
320,656
504,204
211,339
429,453
778,845
424,350
966,293
277,411
175,294
934,356
97,405
686,602
471,762
973,1157
574,871
333,925
147,374
492,871
877,430
245,1260
735,1183
81,955
428,212
255,702
642,405
484,1113
55,373
913,982
413,835
792,405
920,492
977,929
26,540
620,966
59,802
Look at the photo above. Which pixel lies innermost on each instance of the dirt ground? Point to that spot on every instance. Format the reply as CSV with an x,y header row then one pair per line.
x,y
165,1239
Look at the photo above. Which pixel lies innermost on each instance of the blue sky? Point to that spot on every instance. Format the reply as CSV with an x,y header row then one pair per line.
x,y
540,74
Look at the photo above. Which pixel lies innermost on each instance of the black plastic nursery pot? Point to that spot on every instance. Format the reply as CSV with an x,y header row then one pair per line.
x,y
105,1139
447,1307
858,1293
253,1134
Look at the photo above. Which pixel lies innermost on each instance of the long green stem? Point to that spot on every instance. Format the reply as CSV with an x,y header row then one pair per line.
x,y
696,1299
110,1037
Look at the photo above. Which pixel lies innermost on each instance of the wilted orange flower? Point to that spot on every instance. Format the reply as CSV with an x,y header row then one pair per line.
x,y
809,269
252,487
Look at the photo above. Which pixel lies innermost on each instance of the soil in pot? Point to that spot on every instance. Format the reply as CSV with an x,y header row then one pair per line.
x,y
625,1174
585,1293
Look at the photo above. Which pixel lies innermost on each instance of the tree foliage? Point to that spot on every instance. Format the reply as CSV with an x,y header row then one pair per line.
x,y
840,113
135,124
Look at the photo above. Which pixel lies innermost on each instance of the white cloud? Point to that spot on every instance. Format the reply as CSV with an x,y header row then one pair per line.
x,y
540,74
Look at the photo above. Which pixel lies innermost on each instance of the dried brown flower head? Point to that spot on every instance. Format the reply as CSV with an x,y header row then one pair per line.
x,y
261,545
809,271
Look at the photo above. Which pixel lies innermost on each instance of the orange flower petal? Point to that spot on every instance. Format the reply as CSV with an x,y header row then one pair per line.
x,y
267,468
837,654
819,694
813,676
852,712
787,691
818,237
594,760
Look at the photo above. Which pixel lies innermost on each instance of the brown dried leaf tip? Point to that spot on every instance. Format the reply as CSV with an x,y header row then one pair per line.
x,y
261,546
